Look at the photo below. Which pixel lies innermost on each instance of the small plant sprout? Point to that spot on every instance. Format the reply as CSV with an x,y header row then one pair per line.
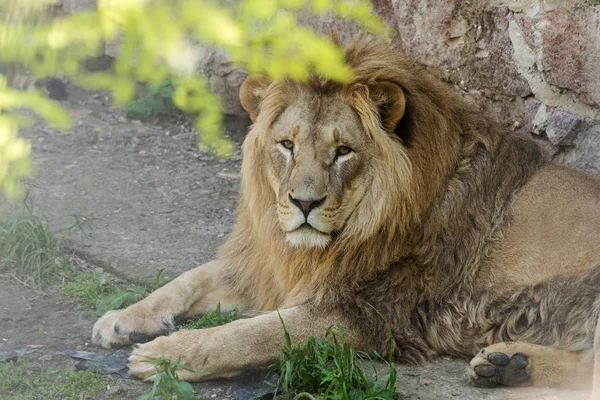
x,y
167,386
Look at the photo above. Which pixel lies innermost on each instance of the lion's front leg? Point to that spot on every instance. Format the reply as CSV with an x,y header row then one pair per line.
x,y
227,350
194,291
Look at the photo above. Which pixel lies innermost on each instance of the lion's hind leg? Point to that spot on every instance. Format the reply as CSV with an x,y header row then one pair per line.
x,y
521,363
541,335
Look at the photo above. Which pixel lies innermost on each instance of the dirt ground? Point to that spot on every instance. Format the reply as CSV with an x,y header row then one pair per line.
x,y
155,202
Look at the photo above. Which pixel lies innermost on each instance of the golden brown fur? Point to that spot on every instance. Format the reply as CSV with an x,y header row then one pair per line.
x,y
389,196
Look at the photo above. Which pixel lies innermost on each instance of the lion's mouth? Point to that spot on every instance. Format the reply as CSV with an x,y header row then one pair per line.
x,y
306,225
308,236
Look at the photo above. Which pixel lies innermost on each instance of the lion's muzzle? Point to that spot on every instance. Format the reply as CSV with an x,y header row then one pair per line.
x,y
306,206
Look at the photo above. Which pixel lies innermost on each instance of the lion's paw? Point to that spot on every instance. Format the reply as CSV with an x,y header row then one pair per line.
x,y
123,327
143,356
497,365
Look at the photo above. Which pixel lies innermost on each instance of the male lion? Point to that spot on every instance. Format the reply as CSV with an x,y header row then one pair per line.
x,y
390,200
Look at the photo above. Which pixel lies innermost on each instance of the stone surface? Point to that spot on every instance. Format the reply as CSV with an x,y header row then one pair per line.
x,y
540,119
508,112
432,31
553,96
532,106
494,67
225,79
585,153
567,49
387,11
562,126
533,7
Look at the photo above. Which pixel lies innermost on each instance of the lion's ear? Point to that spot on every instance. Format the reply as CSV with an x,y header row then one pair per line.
x,y
391,103
252,92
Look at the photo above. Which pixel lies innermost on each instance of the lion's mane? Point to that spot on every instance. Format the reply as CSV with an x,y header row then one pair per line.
x,y
426,222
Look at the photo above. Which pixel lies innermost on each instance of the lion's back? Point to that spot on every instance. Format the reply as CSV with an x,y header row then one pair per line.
x,y
554,229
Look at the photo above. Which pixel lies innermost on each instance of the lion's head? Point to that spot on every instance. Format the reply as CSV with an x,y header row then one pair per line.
x,y
337,161
320,149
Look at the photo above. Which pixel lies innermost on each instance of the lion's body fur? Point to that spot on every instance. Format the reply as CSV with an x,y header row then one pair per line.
x,y
424,256
462,235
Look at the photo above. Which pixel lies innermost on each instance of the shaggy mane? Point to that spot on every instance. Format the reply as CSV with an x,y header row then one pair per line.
x,y
453,174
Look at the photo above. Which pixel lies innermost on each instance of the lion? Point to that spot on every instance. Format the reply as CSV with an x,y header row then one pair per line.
x,y
389,202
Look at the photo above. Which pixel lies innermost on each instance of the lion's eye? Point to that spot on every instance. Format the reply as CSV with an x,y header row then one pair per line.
x,y
288,144
342,151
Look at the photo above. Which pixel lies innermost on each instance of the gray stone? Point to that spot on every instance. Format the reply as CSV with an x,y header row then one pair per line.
x,y
566,43
225,78
562,126
432,31
585,152
13,355
493,65
508,113
532,106
538,124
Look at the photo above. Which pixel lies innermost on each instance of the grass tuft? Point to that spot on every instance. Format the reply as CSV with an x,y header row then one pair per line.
x,y
26,381
97,291
89,288
29,250
210,319
330,368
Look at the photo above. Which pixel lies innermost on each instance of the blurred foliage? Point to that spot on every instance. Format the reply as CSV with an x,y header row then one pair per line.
x,y
155,100
158,41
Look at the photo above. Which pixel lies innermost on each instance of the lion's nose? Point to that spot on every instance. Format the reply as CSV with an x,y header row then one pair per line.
x,y
306,206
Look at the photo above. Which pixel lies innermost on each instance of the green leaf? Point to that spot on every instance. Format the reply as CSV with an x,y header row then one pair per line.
x,y
114,301
157,281
137,108
184,390
167,91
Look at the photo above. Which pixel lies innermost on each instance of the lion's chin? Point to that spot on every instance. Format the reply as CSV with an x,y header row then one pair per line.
x,y
306,237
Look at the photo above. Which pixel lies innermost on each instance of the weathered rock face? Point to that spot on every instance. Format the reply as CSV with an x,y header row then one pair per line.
x,y
224,78
585,153
567,48
534,65
433,31
492,64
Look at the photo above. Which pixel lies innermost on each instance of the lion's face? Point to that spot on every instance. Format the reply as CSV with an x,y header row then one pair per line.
x,y
317,166
318,154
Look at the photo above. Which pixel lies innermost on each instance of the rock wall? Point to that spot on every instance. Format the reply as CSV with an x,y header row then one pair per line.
x,y
533,65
